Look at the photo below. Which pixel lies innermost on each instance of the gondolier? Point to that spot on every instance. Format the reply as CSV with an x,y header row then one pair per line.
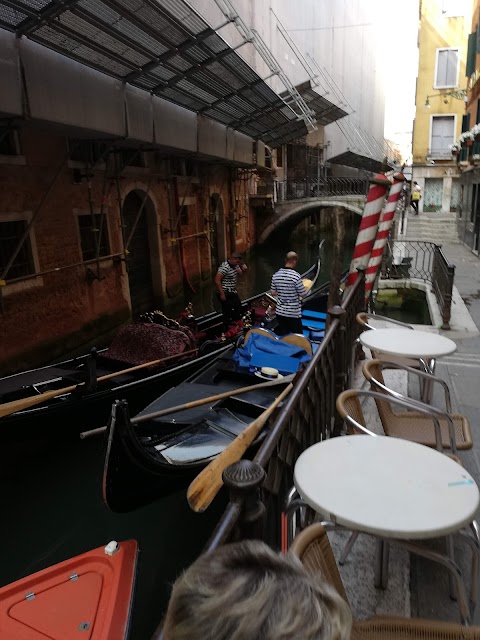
x,y
226,283
288,288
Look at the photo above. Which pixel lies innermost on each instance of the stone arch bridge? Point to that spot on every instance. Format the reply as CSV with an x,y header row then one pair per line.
x,y
288,211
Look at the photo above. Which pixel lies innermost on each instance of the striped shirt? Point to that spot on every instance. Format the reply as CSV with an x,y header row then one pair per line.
x,y
288,285
229,273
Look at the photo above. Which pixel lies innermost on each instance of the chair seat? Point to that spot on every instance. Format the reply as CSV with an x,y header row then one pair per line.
x,y
318,315
313,324
403,362
416,427
395,628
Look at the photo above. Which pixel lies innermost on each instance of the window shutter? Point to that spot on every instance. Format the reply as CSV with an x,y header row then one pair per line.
x,y
441,78
452,65
466,122
478,37
471,54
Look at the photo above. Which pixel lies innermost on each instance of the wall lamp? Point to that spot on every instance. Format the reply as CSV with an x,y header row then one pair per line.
x,y
461,94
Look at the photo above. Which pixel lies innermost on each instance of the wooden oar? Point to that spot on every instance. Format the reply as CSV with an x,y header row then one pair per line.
x,y
194,403
208,483
25,403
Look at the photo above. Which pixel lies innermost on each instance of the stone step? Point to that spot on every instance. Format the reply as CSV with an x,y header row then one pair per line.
x,y
432,228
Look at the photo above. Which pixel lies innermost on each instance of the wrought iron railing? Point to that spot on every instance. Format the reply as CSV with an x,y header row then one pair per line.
x,y
312,188
308,416
424,261
258,488
442,281
441,153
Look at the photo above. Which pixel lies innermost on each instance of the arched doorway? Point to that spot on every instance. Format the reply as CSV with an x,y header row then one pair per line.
x,y
217,216
135,218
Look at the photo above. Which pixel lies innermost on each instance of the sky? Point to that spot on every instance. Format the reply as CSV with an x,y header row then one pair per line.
x,y
401,71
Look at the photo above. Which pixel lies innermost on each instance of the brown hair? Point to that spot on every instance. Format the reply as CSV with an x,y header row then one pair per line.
x,y
246,591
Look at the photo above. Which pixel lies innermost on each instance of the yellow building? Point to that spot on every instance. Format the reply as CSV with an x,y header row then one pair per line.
x,y
444,26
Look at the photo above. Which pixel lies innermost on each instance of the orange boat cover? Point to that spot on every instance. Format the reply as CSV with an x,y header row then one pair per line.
x,y
87,597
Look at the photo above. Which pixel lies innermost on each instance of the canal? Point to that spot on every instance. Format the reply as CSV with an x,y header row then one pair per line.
x,y
51,494
264,260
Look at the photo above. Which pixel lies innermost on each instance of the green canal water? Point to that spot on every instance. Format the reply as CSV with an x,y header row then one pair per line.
x,y
263,261
51,494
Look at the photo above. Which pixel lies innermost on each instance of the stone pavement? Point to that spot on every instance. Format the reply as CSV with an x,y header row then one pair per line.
x,y
418,587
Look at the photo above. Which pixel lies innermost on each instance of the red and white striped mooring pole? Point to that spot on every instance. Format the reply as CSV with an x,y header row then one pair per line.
x,y
368,226
386,221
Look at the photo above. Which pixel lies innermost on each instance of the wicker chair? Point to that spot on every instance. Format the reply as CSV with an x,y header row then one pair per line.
x,y
313,549
415,424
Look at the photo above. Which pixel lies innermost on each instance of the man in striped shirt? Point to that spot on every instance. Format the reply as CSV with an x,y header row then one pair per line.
x,y
226,283
288,288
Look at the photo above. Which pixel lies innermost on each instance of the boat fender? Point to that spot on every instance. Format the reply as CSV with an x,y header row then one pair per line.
x,y
112,548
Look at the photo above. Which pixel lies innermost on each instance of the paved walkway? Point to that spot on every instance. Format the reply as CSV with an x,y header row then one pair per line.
x,y
418,587
461,370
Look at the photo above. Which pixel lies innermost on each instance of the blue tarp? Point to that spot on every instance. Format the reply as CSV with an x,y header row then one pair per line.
x,y
261,351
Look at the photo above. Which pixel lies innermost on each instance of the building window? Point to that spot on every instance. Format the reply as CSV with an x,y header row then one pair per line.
x,y
183,215
9,143
454,8
87,151
446,73
92,228
280,157
443,132
132,158
10,234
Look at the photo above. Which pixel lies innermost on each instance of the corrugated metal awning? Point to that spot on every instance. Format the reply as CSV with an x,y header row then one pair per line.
x,y
326,112
358,161
164,47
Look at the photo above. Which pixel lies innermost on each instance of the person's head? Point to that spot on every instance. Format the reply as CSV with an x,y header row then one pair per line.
x,y
291,259
235,259
415,182
246,590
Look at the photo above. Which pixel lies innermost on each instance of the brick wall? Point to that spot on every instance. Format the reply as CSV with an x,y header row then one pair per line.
x,y
44,317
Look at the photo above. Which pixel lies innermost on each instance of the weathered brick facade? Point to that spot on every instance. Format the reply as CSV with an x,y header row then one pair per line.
x,y
50,314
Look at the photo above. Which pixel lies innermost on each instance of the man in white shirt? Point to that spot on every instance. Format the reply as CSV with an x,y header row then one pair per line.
x,y
288,288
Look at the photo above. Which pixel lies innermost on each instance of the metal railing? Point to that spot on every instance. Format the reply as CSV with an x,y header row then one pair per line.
x,y
442,153
424,261
258,489
310,188
442,281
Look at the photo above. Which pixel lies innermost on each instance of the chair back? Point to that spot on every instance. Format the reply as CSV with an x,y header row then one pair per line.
x,y
362,319
312,547
299,341
261,331
350,410
372,370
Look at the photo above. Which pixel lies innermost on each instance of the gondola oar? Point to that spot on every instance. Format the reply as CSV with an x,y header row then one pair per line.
x,y
208,483
25,403
194,403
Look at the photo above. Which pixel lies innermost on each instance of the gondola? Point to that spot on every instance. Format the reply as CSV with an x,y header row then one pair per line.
x,y
79,392
155,452
88,596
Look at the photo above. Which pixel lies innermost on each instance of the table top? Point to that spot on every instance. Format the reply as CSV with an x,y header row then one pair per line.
x,y
386,486
407,342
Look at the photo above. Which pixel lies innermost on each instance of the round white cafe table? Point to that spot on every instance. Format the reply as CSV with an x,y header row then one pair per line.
x,y
407,342
386,486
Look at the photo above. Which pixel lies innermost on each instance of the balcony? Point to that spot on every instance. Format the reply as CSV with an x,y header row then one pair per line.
x,y
439,153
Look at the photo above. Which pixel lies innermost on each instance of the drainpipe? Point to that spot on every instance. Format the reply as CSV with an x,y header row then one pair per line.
x,y
175,230
233,214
